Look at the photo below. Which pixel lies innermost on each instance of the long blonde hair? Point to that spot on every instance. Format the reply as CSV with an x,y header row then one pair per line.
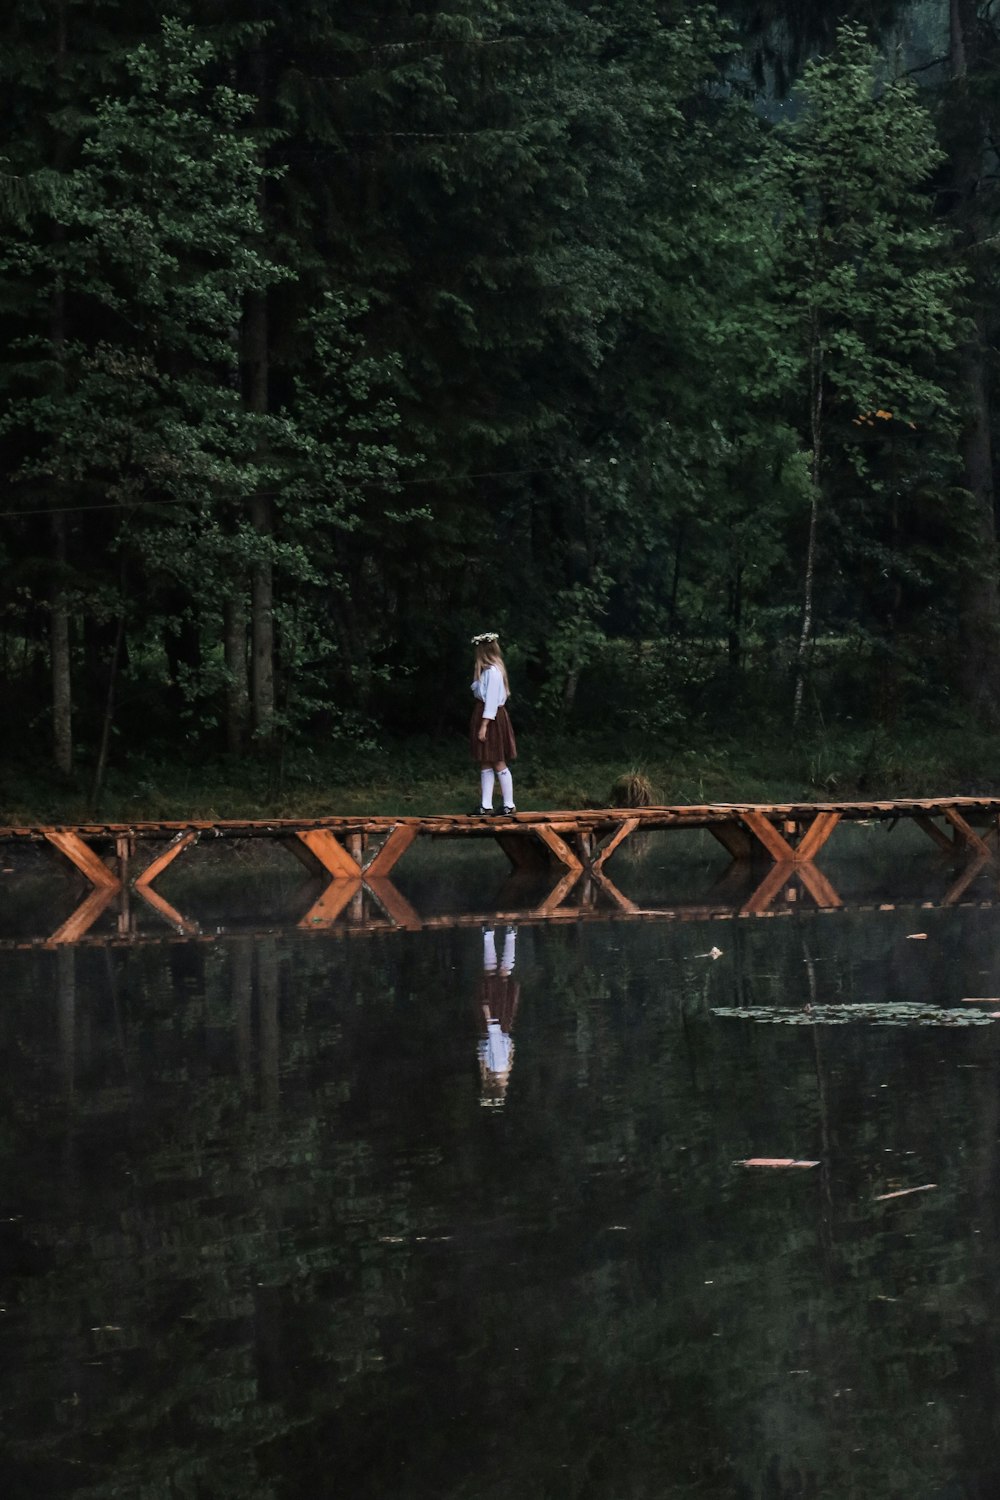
x,y
488,655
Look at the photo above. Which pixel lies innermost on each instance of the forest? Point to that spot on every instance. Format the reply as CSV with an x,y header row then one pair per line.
x,y
660,338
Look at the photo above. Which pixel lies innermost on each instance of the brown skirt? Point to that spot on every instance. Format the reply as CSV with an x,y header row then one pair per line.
x,y
499,994
499,743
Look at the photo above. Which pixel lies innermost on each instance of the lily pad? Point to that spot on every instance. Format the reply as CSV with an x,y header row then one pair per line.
x,y
899,1013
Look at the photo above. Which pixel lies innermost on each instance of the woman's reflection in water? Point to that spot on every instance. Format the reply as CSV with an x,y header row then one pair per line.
x,y
499,993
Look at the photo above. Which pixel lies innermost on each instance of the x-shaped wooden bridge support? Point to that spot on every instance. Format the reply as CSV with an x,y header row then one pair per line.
x,y
318,849
791,851
578,846
577,854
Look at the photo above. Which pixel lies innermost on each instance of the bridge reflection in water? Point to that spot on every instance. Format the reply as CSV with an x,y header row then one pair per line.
x,y
124,915
559,860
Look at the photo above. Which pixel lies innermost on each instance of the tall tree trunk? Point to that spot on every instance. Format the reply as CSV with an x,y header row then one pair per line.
x,y
237,685
62,699
980,656
109,712
808,588
59,635
255,333
269,1021
980,594
735,634
256,357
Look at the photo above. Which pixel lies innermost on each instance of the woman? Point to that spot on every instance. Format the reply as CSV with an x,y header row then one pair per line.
x,y
491,734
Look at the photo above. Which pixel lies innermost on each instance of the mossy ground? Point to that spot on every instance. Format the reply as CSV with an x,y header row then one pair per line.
x,y
425,777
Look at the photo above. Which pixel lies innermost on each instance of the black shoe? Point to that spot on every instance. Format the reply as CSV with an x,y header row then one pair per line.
x,y
509,812
481,812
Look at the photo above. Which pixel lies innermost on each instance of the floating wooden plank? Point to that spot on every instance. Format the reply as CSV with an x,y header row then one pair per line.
x,y
775,1161
330,853
82,856
177,845
925,1187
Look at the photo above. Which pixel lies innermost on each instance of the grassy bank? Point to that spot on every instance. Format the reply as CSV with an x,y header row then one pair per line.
x,y
422,777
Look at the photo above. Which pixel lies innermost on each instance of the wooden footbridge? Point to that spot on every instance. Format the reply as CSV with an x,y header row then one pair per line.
x,y
356,855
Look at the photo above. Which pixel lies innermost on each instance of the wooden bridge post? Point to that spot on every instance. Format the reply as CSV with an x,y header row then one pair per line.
x,y
72,847
177,845
776,842
622,832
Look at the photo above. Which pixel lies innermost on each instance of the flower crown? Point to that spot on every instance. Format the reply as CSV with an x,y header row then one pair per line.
x,y
487,635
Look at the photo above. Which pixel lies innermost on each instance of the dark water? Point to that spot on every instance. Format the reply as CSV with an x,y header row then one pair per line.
x,y
281,1217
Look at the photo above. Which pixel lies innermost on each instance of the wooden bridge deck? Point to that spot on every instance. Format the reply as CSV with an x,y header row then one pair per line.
x,y
354,852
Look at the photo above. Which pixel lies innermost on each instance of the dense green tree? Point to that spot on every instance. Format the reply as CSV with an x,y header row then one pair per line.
x,y
867,300
970,116
482,314
130,410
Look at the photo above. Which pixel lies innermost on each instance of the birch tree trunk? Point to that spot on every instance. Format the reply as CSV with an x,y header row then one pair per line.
x,y
59,647
808,587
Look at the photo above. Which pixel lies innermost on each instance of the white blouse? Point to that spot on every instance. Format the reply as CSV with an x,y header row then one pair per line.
x,y
490,691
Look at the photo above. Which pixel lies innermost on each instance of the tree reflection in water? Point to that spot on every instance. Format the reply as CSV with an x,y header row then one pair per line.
x,y
259,1239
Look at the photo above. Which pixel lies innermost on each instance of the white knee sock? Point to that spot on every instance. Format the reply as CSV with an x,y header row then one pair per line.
x,y
507,960
486,780
489,951
506,787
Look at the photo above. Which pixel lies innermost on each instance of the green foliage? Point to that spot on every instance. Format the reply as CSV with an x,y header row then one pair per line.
x,y
329,337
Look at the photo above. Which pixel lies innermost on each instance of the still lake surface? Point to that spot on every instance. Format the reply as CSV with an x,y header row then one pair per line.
x,y
437,1213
